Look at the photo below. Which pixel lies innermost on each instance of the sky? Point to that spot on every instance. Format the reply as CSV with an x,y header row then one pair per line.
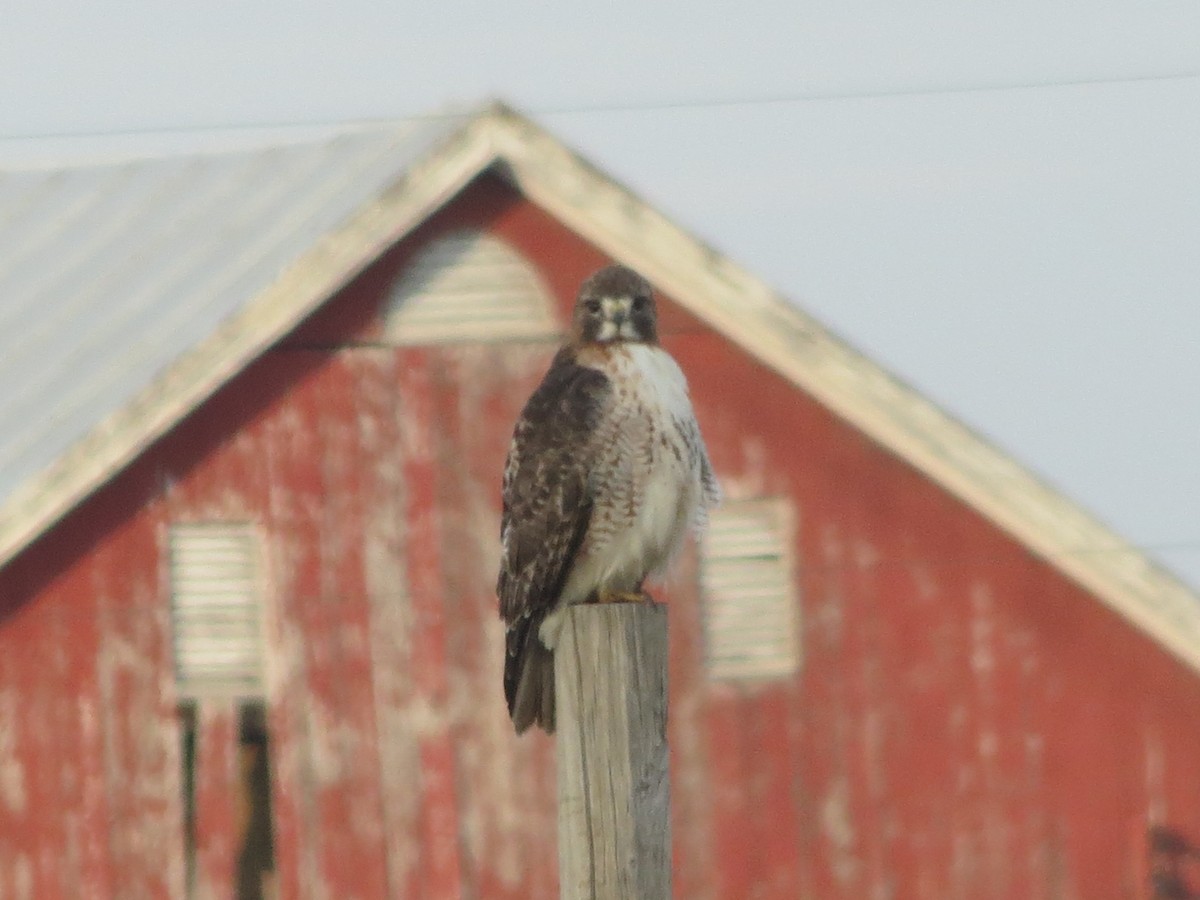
x,y
998,202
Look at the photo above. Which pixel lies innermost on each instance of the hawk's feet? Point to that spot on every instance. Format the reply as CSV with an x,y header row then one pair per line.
x,y
623,597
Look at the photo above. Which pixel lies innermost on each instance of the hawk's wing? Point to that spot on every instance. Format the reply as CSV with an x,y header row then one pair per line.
x,y
547,503
710,489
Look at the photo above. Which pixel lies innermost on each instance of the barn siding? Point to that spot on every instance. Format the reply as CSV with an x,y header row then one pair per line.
x,y
392,619
438,834
215,793
141,745
965,722
503,827
293,501
334,613
696,856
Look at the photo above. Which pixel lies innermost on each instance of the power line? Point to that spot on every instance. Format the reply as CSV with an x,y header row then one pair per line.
x,y
665,105
821,96
994,561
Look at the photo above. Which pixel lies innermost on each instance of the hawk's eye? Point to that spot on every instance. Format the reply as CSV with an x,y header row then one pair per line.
x,y
592,305
640,302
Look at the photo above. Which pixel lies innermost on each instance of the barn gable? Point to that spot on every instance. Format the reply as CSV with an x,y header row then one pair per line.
x,y
332,207
929,705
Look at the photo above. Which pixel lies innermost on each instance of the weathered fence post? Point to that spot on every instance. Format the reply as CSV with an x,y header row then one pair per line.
x,y
614,825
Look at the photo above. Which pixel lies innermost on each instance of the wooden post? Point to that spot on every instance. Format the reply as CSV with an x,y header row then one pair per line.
x,y
614,812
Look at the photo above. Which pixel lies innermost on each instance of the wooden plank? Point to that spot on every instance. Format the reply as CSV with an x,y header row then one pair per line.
x,y
771,790
142,759
732,824
34,760
329,820
506,786
391,634
293,487
87,816
217,825
344,736
695,866
614,838
439,815
19,819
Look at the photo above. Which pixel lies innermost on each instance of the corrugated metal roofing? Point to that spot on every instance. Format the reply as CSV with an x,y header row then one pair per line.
x,y
109,272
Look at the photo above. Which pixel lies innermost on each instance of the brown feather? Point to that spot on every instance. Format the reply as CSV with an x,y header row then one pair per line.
x,y
547,506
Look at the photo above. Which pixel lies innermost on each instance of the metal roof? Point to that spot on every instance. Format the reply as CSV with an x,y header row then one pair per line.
x,y
109,272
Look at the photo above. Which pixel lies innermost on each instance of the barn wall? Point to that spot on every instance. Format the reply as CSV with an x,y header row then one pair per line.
x,y
965,722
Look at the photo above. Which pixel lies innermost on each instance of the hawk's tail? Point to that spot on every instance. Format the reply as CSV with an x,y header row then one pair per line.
x,y
529,676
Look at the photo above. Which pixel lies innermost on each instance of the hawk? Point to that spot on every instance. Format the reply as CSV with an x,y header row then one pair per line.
x,y
605,474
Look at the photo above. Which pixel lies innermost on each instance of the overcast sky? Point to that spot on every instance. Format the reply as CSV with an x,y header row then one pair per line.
x,y
1001,207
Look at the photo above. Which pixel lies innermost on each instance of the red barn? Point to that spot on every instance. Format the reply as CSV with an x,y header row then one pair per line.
x,y
256,408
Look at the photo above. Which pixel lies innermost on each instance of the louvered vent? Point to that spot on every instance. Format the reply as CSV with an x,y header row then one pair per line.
x,y
750,604
216,610
468,286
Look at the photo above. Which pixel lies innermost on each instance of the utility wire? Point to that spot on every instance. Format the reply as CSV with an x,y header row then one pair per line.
x,y
934,562
821,96
681,104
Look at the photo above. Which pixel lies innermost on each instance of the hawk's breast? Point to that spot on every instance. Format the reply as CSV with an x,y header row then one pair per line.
x,y
646,478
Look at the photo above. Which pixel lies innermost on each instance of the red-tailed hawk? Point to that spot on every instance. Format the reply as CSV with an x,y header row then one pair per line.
x,y
605,474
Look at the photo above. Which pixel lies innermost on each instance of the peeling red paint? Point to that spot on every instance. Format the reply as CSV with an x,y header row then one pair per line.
x,y
216,793
438,828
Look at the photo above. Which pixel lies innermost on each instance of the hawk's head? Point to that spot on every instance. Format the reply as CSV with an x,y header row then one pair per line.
x,y
615,304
